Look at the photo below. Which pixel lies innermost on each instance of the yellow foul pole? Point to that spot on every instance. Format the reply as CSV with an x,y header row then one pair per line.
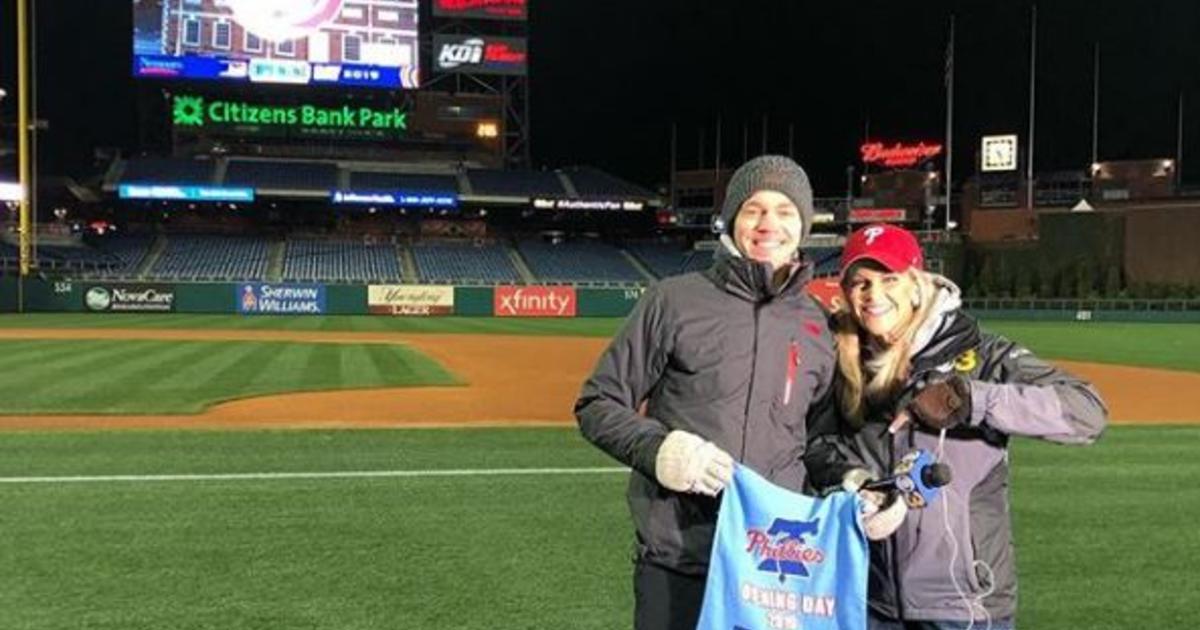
x,y
23,134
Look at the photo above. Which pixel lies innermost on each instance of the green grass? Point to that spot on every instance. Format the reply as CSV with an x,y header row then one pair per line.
x,y
587,327
144,377
1105,535
1173,346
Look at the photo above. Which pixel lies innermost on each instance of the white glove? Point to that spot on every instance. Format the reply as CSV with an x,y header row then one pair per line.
x,y
878,521
687,463
856,478
879,518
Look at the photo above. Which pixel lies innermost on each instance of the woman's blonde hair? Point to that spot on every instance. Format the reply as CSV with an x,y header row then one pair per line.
x,y
888,368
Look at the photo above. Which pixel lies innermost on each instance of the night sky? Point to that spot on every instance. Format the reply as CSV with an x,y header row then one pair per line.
x,y
608,78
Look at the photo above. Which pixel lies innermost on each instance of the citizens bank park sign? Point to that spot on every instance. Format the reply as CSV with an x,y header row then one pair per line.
x,y
197,114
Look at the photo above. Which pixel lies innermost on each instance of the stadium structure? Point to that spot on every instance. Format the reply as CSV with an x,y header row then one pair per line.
x,y
386,142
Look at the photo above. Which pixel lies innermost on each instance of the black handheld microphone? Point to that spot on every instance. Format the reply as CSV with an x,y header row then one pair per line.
x,y
917,477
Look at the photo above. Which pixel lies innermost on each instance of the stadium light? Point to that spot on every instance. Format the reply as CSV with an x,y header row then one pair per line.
x,y
487,130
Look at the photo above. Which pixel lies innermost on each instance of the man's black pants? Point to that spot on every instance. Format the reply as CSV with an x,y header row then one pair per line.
x,y
664,599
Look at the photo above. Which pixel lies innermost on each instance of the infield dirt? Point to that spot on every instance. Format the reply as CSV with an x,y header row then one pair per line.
x,y
510,380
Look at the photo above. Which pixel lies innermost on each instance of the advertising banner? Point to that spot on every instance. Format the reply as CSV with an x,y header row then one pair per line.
x,y
476,54
482,9
410,300
129,298
257,298
195,114
878,215
509,301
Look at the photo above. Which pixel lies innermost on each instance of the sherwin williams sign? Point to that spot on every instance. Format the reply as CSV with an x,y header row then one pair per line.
x,y
280,299
534,302
190,112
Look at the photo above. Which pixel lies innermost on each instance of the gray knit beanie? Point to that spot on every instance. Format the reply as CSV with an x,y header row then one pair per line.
x,y
767,172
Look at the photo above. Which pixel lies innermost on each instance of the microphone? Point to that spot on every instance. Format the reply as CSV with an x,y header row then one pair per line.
x,y
917,477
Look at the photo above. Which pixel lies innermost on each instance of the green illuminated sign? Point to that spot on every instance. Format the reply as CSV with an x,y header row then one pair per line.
x,y
194,111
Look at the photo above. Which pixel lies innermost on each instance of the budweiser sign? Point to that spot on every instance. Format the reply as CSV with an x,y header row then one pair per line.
x,y
898,155
534,302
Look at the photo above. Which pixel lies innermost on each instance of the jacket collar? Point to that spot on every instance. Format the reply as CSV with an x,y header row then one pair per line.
x,y
754,281
948,331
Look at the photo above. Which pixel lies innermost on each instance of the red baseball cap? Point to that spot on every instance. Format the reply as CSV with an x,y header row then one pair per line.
x,y
893,247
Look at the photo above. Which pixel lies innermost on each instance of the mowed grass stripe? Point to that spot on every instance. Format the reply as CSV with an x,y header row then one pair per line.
x,y
143,376
133,376
37,387
32,353
213,370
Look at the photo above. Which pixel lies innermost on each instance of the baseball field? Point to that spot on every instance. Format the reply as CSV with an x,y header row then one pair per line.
x,y
152,475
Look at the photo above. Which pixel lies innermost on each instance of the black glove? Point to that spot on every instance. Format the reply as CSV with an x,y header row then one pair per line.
x,y
942,402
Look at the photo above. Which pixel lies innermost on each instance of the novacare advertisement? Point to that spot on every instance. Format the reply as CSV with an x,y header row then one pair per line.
x,y
151,298
534,302
280,299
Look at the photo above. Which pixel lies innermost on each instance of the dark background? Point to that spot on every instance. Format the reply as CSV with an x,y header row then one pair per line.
x,y
609,78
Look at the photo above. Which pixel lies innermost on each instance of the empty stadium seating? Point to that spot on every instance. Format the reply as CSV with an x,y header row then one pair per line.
x,y
669,259
577,262
340,261
464,263
212,258
128,252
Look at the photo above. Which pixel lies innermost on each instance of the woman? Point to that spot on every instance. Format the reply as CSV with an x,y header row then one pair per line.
x,y
915,372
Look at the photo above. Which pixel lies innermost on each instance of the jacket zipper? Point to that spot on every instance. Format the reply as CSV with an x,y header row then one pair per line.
x,y
892,539
750,389
793,363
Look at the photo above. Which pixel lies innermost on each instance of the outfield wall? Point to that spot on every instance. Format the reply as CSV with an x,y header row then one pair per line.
x,y
269,298
283,298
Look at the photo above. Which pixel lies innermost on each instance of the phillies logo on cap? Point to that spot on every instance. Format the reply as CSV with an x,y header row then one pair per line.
x,y
872,233
782,548
893,247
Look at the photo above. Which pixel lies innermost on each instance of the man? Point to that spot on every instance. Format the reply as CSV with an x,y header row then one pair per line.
x,y
727,362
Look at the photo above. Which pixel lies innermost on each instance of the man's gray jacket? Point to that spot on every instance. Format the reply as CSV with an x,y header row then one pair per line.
x,y
724,354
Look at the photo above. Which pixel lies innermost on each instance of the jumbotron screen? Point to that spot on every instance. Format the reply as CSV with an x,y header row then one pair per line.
x,y
364,43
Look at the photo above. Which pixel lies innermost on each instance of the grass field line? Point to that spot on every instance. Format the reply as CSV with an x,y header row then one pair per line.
x,y
342,474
